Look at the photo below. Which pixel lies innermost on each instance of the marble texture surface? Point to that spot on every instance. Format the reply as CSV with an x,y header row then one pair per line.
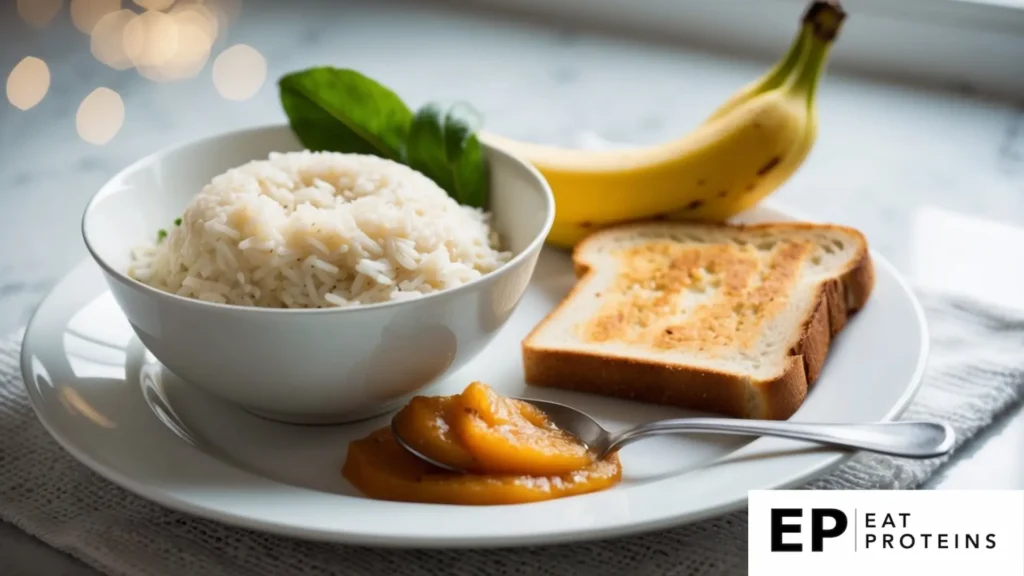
x,y
908,165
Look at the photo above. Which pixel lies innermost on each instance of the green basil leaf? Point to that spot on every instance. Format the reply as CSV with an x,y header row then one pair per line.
x,y
425,149
444,146
472,174
466,155
461,122
342,110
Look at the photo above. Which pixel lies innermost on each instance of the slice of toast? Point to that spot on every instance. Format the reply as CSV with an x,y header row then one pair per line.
x,y
729,319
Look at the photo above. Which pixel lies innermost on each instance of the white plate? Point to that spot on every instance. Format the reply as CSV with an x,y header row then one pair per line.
x,y
103,397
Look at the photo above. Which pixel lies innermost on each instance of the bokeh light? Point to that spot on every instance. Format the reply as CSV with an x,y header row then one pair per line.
x,y
151,39
107,42
155,4
39,13
100,116
28,83
226,11
239,72
86,13
197,15
192,50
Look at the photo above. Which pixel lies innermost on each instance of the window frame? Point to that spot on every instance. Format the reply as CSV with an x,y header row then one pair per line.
x,y
966,45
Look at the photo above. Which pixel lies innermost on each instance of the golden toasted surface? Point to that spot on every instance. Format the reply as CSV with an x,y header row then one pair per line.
x,y
707,298
746,272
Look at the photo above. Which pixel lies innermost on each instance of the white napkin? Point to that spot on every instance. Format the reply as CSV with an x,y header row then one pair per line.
x,y
976,372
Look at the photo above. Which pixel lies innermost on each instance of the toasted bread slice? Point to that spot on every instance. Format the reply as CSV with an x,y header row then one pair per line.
x,y
729,319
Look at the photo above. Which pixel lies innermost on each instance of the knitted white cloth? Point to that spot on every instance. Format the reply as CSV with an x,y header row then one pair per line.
x,y
976,372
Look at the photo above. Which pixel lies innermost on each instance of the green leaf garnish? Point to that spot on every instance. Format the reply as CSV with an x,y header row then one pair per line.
x,y
466,155
177,221
160,235
425,150
344,111
443,145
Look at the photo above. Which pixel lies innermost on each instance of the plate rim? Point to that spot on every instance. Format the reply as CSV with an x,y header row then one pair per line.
x,y
828,459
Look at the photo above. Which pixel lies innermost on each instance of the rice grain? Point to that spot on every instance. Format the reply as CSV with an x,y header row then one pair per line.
x,y
320,229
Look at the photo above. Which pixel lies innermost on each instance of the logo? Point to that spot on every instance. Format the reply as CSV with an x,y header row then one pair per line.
x,y
818,531
928,532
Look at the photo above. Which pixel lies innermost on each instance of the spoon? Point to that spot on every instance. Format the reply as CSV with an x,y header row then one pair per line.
x,y
906,439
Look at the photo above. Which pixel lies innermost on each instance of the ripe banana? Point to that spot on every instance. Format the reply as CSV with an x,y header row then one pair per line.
x,y
741,153
774,78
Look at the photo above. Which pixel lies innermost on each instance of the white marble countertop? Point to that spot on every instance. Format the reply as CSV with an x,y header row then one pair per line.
x,y
911,167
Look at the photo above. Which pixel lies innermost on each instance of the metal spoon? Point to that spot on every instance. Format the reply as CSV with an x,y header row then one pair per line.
x,y
906,439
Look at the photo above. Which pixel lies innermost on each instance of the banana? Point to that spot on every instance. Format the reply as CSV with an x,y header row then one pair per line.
x,y
743,151
724,155
804,82
774,78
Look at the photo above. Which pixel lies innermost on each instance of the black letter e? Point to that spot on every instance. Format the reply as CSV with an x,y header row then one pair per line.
x,y
779,528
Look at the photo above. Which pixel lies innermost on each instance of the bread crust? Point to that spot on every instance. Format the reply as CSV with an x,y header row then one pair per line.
x,y
702,389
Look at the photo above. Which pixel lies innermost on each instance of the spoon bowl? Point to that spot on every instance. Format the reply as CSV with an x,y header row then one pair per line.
x,y
909,439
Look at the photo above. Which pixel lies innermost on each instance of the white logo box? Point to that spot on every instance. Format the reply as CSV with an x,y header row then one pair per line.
x,y
918,532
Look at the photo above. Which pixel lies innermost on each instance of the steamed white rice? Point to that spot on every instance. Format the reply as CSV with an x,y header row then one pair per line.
x,y
318,230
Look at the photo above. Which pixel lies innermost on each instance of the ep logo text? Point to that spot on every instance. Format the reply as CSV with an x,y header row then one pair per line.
x,y
937,532
824,523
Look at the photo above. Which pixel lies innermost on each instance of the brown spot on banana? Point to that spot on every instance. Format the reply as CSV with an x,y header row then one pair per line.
x,y
695,204
769,165
701,182
586,224
723,193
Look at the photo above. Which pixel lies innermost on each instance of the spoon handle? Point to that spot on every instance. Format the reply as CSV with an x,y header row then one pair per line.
x,y
907,439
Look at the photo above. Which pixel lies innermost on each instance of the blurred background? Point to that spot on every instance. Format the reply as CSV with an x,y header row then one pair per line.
x,y
921,109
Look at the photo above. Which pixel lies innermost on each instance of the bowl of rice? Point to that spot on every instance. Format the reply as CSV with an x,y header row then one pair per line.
x,y
312,287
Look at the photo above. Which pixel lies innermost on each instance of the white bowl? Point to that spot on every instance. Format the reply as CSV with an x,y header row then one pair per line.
x,y
318,365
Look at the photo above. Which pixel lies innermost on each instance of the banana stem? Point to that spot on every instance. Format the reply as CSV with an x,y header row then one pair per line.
x,y
806,82
822,19
825,17
782,70
822,22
